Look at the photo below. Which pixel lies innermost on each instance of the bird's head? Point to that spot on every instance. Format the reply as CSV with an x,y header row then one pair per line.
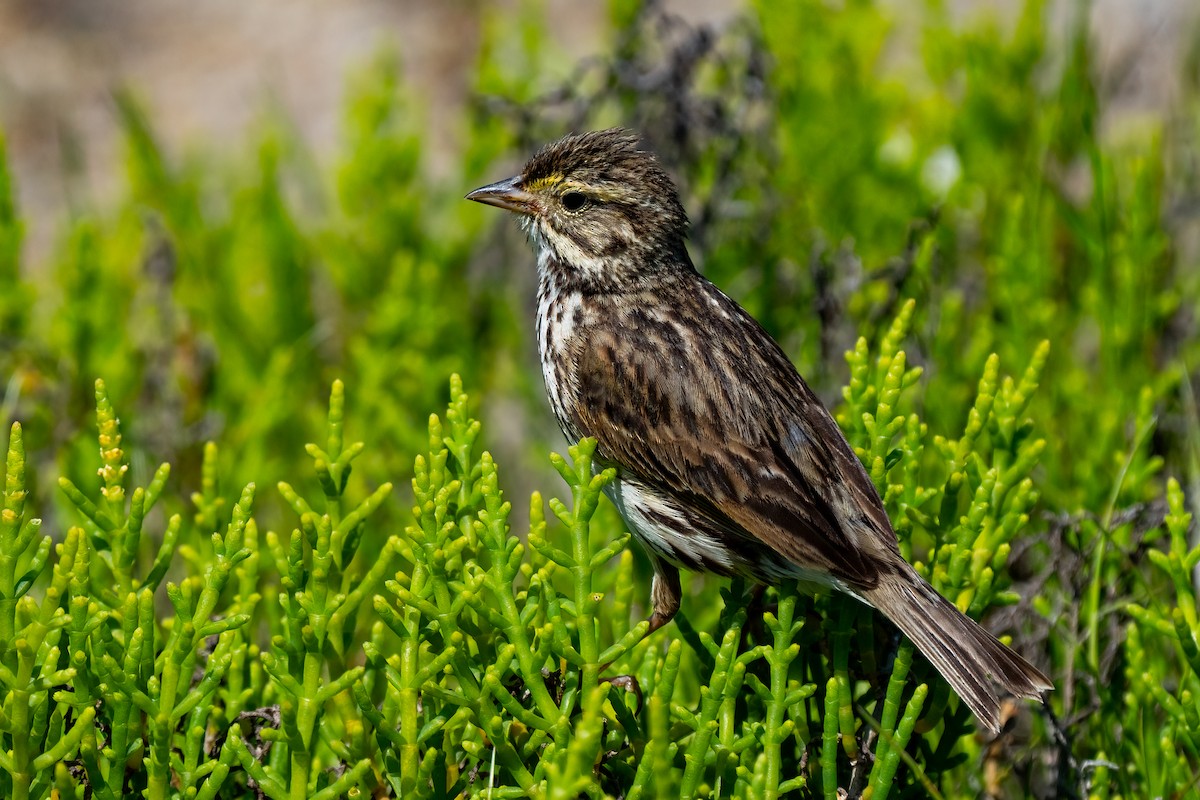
x,y
602,210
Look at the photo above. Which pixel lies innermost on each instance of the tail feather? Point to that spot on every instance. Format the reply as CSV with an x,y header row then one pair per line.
x,y
964,653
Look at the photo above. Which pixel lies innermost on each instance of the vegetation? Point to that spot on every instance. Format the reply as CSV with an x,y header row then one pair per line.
x,y
1007,296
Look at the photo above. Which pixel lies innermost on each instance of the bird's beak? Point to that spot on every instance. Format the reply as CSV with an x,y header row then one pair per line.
x,y
507,194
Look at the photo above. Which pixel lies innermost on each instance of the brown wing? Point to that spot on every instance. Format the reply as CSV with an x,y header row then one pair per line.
x,y
693,398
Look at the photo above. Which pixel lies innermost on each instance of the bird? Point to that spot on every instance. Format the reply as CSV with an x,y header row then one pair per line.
x,y
725,460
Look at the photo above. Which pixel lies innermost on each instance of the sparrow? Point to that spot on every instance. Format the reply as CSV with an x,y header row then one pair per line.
x,y
725,460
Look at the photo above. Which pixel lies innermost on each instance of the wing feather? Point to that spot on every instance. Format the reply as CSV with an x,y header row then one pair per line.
x,y
728,421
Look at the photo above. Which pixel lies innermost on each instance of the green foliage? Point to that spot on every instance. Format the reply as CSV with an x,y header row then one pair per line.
x,y
1163,633
485,671
911,229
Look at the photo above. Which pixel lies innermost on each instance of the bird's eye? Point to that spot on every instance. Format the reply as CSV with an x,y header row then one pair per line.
x,y
573,201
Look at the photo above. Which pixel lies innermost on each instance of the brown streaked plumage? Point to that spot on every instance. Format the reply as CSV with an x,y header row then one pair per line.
x,y
726,461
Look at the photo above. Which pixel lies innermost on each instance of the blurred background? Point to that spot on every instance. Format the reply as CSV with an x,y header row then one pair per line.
x,y
219,207
210,71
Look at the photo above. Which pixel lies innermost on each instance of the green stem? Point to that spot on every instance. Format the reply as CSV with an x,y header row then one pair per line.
x,y
829,748
307,709
22,761
780,658
10,531
410,652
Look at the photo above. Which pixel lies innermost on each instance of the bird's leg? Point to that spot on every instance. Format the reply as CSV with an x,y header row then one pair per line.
x,y
665,597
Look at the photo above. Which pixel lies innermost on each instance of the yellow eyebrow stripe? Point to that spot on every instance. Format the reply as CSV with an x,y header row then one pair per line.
x,y
546,182
559,180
